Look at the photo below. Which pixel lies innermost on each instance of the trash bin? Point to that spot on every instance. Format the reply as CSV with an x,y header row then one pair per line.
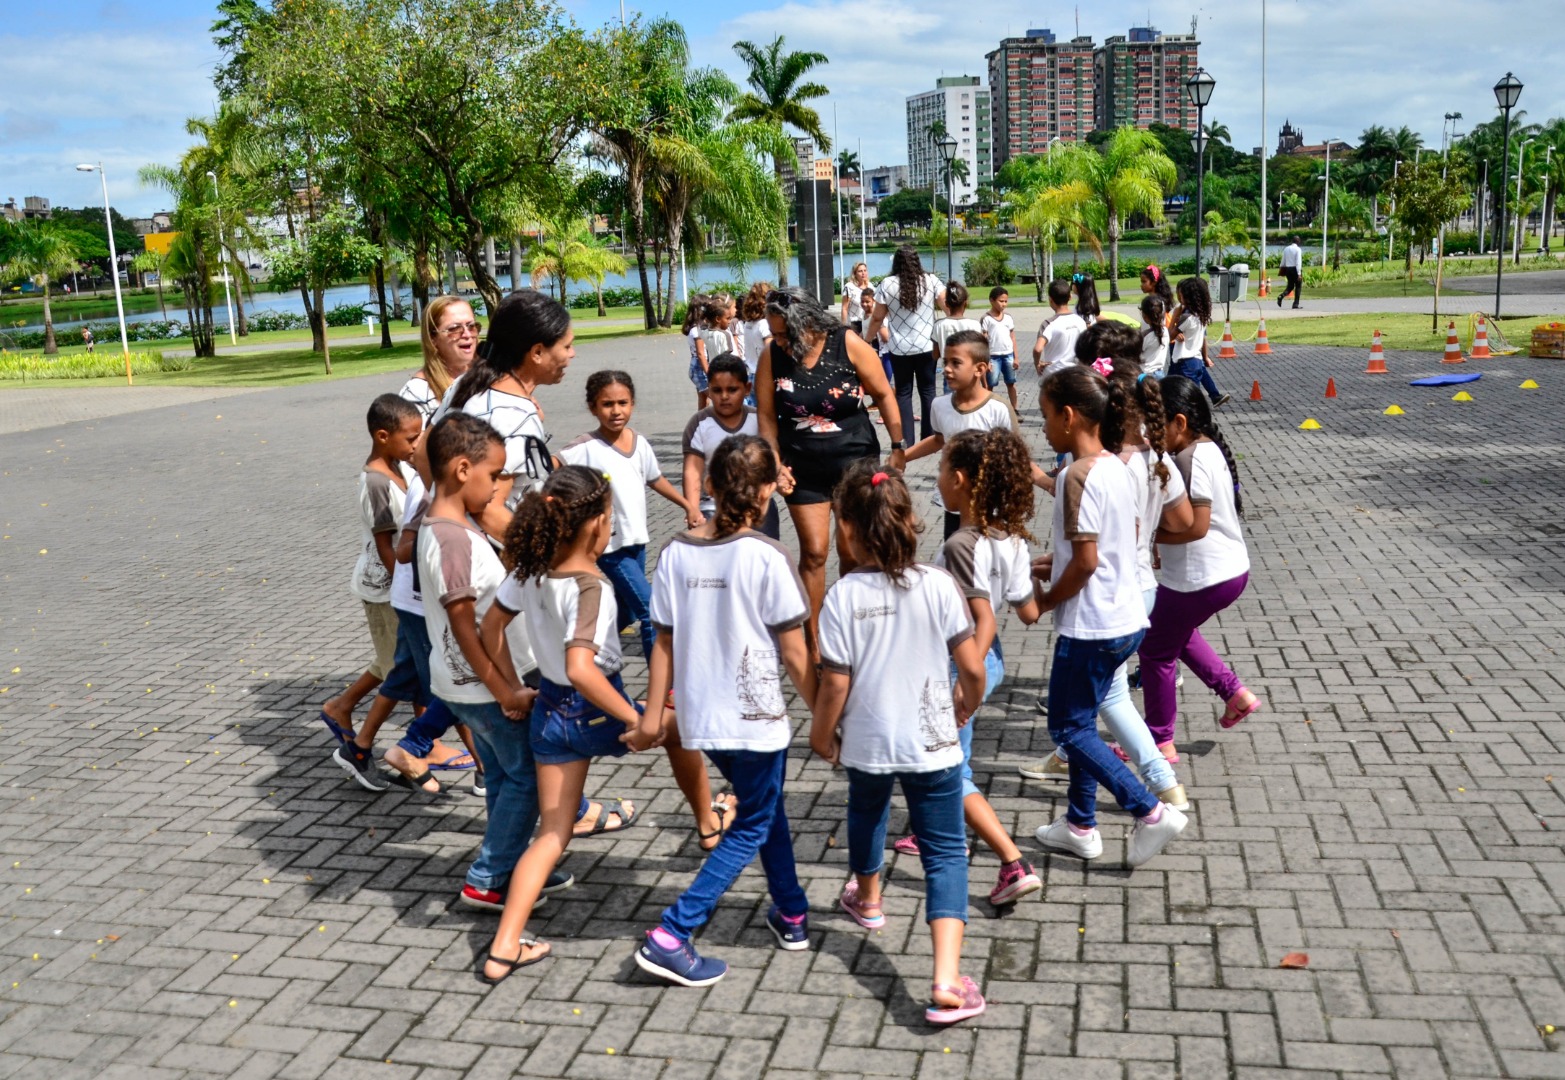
x,y
1228,284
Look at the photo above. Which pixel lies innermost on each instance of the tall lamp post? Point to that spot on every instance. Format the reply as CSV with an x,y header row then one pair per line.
x,y
1548,225
222,254
114,264
947,147
1506,93
1521,217
1325,207
1198,88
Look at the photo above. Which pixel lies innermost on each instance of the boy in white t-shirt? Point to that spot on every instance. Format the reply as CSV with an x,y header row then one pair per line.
x,y
631,465
1099,617
1001,328
394,425
729,607
1056,344
970,406
728,390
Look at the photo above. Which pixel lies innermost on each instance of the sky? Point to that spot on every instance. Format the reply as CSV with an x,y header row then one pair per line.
x,y
115,81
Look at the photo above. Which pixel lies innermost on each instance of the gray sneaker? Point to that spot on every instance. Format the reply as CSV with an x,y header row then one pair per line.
x,y
360,765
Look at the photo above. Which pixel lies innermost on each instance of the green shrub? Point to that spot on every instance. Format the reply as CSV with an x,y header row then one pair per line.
x,y
346,315
260,321
991,266
103,365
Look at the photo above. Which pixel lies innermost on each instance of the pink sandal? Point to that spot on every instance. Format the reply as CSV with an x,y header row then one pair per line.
x,y
1232,716
972,1003
859,911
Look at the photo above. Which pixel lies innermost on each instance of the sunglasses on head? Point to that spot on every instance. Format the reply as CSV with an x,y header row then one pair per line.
x,y
778,297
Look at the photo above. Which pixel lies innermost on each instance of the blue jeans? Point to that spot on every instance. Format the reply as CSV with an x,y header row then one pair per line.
x,y
1078,685
1002,366
511,779
1195,369
994,674
934,809
626,569
567,727
419,738
760,828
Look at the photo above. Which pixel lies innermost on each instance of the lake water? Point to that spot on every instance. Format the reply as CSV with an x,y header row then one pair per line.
x,y
697,276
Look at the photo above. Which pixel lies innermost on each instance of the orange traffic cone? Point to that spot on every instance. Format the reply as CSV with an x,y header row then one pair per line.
x,y
1377,357
1255,390
1262,346
1331,387
1453,348
1227,351
1265,291
1480,342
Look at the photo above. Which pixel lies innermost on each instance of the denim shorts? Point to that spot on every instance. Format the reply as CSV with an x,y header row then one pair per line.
x,y
567,727
697,375
402,682
1002,365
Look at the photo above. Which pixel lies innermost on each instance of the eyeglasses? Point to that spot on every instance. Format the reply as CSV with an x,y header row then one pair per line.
x,y
780,298
456,330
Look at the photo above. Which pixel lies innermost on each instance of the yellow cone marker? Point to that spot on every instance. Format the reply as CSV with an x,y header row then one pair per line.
x,y
1310,424
1462,395
1395,410
1528,385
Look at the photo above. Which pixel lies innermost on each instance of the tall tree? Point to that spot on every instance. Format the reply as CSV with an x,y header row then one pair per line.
x,y
777,96
848,164
1130,175
32,250
195,218
1425,201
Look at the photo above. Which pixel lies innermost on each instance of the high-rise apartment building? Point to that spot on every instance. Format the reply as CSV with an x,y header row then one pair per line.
x,y
961,103
1043,90
1139,79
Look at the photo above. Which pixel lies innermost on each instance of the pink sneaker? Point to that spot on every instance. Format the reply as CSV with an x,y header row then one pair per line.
x,y
972,1005
1016,881
908,845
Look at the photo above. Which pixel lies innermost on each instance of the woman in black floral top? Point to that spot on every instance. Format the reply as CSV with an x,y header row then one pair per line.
x,y
809,393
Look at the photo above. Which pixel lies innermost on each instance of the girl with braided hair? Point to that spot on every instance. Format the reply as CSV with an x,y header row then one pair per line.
x,y
730,609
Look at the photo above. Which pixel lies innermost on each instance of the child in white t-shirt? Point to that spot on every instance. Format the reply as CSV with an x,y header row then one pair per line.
x,y
1154,335
1191,319
1056,344
955,321
629,461
887,712
728,388
1205,567
969,405
458,576
394,426
989,475
1001,328
729,605
1099,617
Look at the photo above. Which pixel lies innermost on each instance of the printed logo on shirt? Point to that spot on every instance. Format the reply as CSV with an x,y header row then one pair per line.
x,y
456,663
706,583
936,719
760,686
874,612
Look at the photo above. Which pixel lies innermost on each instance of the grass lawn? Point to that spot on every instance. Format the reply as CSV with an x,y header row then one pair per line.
x,y
1401,330
286,367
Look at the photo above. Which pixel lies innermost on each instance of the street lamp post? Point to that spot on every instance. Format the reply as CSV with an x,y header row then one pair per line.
x,y
1506,93
1521,217
1325,207
222,254
1547,225
114,264
1198,88
947,147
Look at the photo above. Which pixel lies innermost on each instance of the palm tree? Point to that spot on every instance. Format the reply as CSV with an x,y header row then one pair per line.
x,y
151,261
1046,207
32,250
848,164
567,250
1129,175
1376,143
194,216
778,97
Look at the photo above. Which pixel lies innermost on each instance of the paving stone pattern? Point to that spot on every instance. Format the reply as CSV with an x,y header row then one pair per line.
x,y
189,887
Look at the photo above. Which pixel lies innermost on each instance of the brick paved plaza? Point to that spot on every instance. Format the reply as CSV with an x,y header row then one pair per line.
x,y
190,888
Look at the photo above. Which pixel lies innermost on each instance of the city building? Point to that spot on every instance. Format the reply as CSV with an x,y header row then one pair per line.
x,y
885,180
1042,90
1290,140
33,208
1139,79
961,104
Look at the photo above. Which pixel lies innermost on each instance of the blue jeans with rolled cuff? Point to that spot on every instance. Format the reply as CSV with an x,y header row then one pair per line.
x,y
626,569
934,807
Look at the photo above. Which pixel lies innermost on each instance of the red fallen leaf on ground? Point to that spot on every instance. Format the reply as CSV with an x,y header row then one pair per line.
x,y
111,937
1295,960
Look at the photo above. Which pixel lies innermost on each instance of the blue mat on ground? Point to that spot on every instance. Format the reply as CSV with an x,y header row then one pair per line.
x,y
1446,380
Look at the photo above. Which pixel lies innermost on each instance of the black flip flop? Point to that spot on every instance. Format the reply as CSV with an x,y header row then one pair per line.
x,y
416,784
511,966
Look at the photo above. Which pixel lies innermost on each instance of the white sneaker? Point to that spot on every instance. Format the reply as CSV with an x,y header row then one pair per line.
x,y
1147,840
1057,836
1050,768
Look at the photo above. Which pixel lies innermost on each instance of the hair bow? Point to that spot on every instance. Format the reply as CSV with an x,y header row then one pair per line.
x,y
877,478
1154,271
1104,366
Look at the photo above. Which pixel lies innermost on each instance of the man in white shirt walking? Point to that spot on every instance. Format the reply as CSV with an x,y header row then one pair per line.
x,y
1292,266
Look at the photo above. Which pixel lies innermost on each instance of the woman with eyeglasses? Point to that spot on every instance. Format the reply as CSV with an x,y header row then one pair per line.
x,y
810,388
449,335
